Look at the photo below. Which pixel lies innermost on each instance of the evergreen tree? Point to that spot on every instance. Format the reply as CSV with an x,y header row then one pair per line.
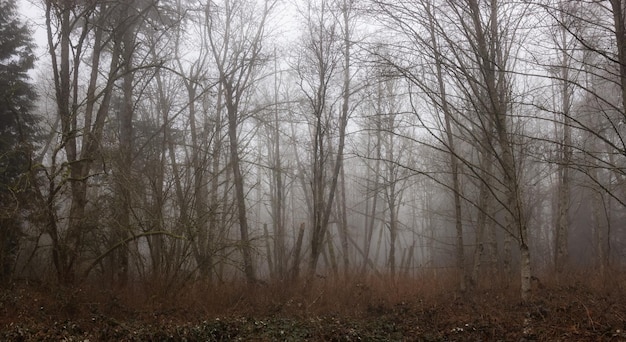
x,y
17,130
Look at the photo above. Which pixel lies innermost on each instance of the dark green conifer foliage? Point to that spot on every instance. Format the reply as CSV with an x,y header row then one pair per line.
x,y
17,131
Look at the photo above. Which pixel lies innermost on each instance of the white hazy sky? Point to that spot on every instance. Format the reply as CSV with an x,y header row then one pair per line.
x,y
33,15
32,12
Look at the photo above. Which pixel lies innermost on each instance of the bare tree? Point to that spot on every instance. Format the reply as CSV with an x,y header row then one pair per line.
x,y
317,69
480,71
238,61
450,144
68,30
592,76
566,45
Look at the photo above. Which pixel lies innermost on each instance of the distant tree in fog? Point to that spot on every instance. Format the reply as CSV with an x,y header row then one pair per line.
x,y
238,62
320,66
477,38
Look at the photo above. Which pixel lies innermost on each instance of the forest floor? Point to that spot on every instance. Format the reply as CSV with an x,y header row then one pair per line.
x,y
423,309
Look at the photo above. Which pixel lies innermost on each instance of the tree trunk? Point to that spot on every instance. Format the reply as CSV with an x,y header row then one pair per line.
x,y
278,191
240,197
619,22
268,251
343,223
563,190
323,193
236,51
454,163
345,108
525,270
484,223
67,248
123,231
295,267
372,190
390,194
497,92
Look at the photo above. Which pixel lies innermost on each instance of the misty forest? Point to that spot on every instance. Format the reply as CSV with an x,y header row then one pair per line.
x,y
313,158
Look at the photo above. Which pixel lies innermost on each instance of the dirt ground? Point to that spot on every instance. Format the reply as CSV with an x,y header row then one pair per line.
x,y
349,310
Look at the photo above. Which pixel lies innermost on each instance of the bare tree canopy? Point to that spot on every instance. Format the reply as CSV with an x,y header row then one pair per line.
x,y
200,143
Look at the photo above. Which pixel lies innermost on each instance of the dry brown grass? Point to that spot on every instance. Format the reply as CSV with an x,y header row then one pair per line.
x,y
573,306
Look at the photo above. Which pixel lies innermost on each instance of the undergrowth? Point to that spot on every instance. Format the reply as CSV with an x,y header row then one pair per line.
x,y
573,306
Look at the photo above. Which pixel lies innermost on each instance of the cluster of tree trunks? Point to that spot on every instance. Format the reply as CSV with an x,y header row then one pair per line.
x,y
455,126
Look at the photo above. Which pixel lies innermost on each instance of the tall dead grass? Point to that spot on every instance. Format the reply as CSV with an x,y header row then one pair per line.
x,y
354,295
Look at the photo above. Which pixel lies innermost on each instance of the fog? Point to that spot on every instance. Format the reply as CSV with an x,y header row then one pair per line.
x,y
260,141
